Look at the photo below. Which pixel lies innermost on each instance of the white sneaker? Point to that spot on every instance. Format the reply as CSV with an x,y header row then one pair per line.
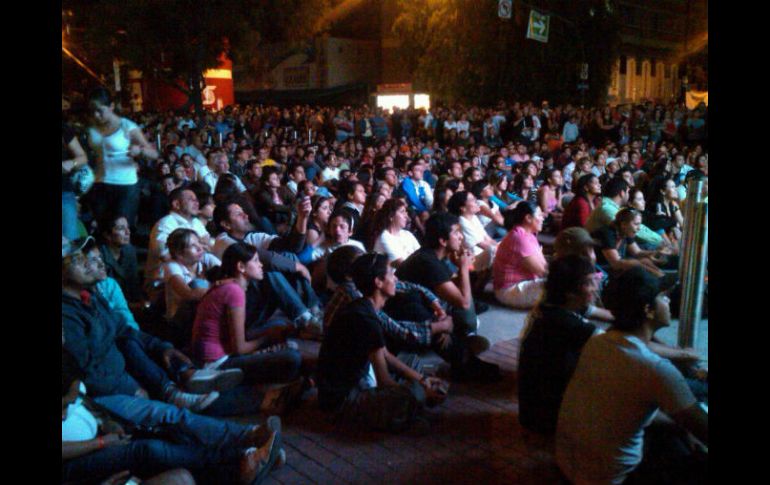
x,y
193,402
208,380
216,363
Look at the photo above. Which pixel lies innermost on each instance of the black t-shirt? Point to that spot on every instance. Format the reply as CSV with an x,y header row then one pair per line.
x,y
344,357
609,239
67,134
424,268
548,357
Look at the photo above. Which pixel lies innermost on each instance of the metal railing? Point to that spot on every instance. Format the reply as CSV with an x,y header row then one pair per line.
x,y
692,262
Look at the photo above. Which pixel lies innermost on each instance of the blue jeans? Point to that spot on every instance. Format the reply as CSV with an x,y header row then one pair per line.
x,y
69,215
199,442
146,371
281,366
276,291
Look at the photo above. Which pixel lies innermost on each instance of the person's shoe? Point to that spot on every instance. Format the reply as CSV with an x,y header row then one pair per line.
x,y
208,380
278,347
477,344
193,402
261,434
215,365
256,463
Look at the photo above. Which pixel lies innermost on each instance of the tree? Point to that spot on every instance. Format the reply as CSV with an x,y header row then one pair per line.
x,y
175,41
460,50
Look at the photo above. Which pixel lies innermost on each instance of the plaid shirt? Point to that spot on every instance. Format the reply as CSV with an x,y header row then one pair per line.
x,y
406,331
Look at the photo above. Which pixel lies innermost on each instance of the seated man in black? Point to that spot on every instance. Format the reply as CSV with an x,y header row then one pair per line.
x,y
430,267
354,379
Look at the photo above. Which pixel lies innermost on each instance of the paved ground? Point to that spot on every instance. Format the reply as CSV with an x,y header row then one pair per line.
x,y
473,437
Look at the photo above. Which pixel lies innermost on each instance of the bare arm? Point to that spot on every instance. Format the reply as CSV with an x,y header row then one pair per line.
x,y
236,321
140,145
78,159
183,290
535,264
74,449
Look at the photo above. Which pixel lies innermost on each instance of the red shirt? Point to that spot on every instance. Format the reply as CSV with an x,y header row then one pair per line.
x,y
576,213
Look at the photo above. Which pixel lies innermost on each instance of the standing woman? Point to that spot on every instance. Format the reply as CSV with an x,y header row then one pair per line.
x,y
116,141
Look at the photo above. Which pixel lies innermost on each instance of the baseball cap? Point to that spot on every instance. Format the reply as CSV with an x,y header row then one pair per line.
x,y
573,240
68,248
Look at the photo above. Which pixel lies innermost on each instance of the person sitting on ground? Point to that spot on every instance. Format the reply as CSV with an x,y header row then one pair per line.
x,y
464,205
219,331
319,218
106,435
587,193
551,345
489,214
287,281
663,201
185,282
418,192
184,209
427,267
499,182
389,232
354,379
93,333
352,201
615,195
519,268
119,256
618,250
549,198
273,200
623,389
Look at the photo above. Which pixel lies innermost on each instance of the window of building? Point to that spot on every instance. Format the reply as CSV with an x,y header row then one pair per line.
x,y
653,68
623,65
638,68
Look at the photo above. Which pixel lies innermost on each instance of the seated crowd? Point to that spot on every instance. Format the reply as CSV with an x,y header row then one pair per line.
x,y
193,266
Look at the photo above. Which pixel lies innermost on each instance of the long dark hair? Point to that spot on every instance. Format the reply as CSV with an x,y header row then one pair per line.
x,y
383,218
238,252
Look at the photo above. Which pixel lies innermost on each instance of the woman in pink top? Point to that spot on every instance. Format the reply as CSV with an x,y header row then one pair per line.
x,y
219,333
520,268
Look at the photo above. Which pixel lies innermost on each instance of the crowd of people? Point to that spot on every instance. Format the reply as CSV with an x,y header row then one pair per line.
x,y
198,250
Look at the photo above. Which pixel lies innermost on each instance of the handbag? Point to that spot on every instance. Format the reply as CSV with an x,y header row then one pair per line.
x,y
82,179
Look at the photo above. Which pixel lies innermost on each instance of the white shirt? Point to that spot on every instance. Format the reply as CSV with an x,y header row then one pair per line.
x,y
396,247
173,268
113,164
159,235
211,178
260,240
473,233
80,424
327,248
330,173
617,388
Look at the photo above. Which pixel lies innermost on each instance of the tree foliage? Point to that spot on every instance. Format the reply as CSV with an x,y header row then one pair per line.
x,y
177,40
460,50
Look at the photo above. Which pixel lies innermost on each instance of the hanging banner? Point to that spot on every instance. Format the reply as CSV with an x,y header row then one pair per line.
x,y
694,98
504,9
538,26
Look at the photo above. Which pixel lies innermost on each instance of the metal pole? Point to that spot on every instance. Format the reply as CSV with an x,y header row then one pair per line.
x,y
693,264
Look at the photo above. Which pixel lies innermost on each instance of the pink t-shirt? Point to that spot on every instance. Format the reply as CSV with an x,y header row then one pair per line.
x,y
210,335
507,269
